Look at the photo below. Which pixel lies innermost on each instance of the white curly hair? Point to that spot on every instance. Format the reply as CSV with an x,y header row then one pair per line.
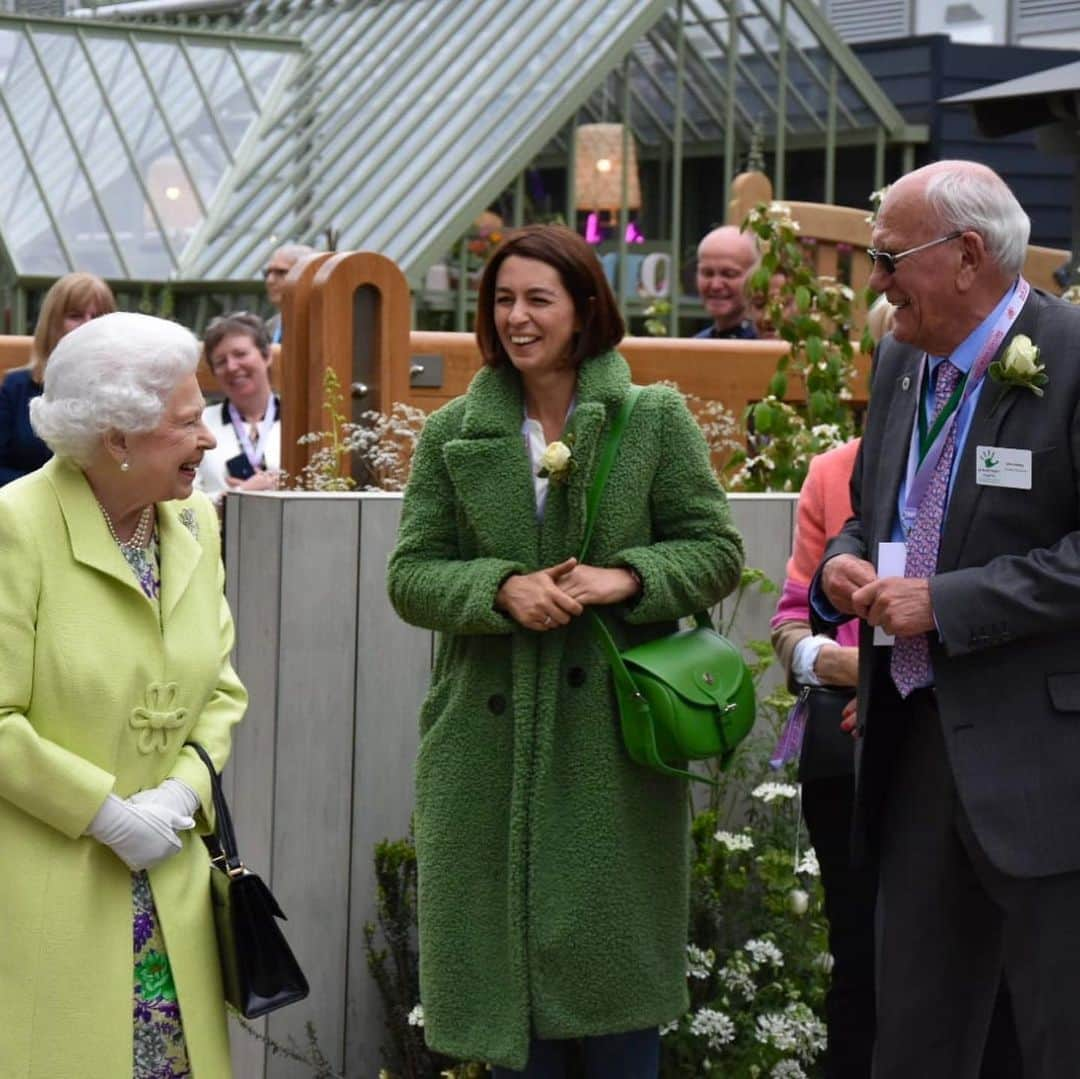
x,y
112,373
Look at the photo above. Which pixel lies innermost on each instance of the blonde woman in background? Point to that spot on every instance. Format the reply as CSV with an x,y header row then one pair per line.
x,y
74,299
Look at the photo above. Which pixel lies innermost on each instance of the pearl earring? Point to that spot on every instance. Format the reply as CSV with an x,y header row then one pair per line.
x,y
124,466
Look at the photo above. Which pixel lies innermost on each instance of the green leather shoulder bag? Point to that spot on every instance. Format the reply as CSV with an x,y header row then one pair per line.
x,y
685,697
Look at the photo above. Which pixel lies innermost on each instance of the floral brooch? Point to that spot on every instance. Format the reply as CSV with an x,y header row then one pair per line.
x,y
1020,366
557,461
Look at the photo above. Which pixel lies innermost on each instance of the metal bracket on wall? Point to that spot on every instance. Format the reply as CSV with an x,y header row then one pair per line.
x,y
426,371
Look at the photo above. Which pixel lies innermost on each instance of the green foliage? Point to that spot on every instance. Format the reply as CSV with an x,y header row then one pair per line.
x,y
656,316
814,315
310,1054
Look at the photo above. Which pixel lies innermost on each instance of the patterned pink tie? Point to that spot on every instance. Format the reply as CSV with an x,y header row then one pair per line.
x,y
910,664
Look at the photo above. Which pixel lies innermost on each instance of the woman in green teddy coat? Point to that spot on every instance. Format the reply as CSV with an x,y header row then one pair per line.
x,y
553,870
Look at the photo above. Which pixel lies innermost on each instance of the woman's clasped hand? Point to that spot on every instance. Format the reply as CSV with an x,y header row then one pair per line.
x,y
551,597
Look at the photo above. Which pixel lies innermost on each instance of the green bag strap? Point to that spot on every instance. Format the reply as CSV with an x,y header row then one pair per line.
x,y
638,707
596,490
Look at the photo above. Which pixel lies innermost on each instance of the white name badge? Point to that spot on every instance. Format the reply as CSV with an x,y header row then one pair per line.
x,y
998,466
891,560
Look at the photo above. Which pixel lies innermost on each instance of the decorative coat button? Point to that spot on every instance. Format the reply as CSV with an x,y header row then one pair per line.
x,y
576,676
497,704
158,718
905,382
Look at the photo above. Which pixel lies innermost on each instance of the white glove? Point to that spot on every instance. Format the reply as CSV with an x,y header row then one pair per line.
x,y
140,836
174,799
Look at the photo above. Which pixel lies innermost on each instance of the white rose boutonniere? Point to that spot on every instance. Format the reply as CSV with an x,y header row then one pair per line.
x,y
1020,366
557,461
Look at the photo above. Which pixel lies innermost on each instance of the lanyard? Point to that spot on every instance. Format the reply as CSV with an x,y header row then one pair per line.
x,y
927,438
254,454
938,436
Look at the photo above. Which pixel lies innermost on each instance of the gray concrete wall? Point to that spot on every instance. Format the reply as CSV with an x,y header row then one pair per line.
x,y
322,767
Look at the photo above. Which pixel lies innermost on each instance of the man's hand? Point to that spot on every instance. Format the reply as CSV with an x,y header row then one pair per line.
x,y
594,586
900,605
535,601
842,577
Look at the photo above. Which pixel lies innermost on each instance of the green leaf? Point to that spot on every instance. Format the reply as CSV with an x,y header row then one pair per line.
x,y
764,417
802,298
815,348
778,385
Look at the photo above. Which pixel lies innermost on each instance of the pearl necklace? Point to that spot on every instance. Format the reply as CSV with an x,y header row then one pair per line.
x,y
140,538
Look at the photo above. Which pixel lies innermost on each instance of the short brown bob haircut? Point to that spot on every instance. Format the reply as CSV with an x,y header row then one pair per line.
x,y
74,292
237,324
582,276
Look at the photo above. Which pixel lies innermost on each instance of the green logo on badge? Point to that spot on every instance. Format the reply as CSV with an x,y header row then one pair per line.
x,y
989,460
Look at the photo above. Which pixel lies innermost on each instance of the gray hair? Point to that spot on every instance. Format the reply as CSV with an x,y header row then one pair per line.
x,y
112,373
976,199
294,252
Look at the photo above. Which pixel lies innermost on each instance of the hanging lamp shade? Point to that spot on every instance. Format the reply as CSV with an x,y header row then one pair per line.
x,y
599,165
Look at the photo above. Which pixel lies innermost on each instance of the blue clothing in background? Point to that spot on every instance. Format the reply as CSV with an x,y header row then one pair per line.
x,y
21,451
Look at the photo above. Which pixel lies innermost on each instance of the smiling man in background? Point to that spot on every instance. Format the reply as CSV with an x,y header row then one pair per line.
x,y
725,257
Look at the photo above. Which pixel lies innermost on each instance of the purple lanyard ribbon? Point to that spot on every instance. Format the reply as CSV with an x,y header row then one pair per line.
x,y
254,454
920,483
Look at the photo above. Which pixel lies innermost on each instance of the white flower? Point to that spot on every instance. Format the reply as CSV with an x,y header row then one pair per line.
x,y
416,1016
799,900
1020,366
735,840
715,1027
1021,357
787,1069
794,1030
764,951
736,978
824,961
809,864
770,792
669,1028
555,460
699,963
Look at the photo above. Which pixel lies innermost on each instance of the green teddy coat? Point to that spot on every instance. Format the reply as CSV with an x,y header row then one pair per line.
x,y
553,870
98,695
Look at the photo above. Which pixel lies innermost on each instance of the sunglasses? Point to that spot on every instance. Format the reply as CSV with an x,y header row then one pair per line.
x,y
888,261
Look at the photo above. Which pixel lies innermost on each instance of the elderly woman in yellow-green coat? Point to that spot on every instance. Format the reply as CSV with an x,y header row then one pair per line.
x,y
114,645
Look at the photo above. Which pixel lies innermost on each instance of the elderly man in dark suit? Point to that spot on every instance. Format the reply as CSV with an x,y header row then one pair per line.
x,y
965,548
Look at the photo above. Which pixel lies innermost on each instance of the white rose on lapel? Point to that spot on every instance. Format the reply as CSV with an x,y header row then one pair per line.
x,y
1020,366
556,461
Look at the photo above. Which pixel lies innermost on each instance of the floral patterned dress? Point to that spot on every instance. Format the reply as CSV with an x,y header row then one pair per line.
x,y
160,1049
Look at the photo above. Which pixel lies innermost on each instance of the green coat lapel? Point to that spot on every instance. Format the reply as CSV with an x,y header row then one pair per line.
x,y
180,552
489,468
602,384
89,536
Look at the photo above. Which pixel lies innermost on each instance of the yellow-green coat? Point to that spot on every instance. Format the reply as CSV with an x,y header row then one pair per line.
x,y
97,696
553,870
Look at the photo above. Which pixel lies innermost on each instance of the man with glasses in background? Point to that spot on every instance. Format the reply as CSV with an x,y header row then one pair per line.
x,y
281,262
963,561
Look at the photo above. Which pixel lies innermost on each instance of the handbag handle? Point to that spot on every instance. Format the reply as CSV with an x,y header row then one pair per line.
x,y
223,830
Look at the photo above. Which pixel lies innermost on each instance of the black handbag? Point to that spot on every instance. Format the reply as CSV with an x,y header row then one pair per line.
x,y
258,968
828,751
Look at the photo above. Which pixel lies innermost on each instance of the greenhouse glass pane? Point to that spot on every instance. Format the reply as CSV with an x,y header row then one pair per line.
x,y
200,146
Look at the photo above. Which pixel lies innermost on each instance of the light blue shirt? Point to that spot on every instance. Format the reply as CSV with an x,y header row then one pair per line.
x,y
962,358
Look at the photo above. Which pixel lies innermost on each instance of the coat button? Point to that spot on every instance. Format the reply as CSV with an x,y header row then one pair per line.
x,y
576,676
497,704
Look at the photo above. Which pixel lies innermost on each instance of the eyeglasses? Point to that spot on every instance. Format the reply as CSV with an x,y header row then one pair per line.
x,y
888,261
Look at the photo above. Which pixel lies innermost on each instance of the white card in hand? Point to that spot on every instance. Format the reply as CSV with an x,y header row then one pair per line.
x,y
891,560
